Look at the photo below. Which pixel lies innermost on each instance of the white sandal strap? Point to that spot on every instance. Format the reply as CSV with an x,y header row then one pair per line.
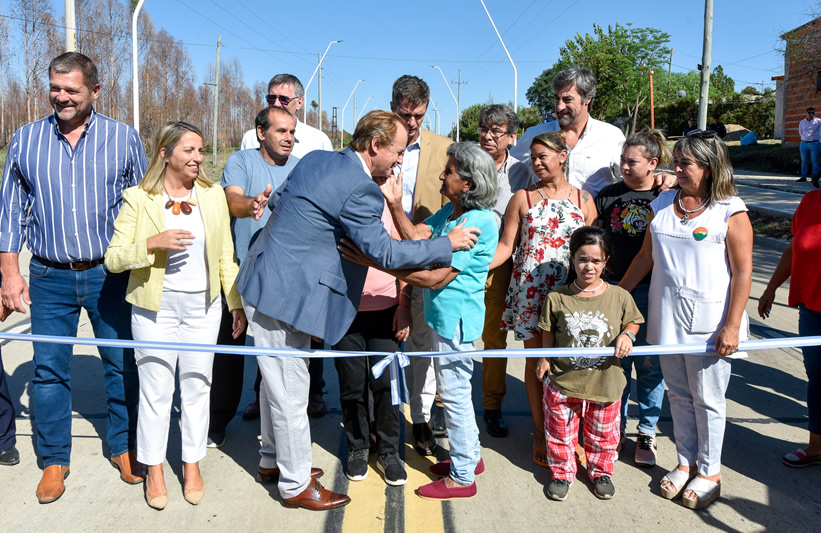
x,y
677,478
702,487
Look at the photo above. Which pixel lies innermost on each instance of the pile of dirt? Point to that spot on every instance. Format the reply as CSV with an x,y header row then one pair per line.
x,y
735,132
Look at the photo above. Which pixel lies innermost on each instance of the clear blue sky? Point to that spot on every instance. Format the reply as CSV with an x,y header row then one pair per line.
x,y
383,40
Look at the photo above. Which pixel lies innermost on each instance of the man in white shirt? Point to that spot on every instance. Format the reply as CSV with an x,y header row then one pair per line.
x,y
594,147
285,90
422,163
810,131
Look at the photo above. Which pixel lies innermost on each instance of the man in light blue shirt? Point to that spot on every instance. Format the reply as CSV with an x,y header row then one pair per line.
x,y
247,172
62,190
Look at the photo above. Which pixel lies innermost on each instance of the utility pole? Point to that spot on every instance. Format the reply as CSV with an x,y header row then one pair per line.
x,y
652,104
354,114
435,108
458,102
71,27
216,96
704,96
669,73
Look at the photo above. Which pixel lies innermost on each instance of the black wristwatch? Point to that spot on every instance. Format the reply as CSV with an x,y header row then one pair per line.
x,y
629,336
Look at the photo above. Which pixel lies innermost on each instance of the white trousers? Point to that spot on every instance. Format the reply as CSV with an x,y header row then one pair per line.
x,y
283,402
422,382
183,317
696,388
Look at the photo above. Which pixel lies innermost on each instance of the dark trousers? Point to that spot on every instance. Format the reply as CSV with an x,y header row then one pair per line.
x,y
226,383
371,331
7,428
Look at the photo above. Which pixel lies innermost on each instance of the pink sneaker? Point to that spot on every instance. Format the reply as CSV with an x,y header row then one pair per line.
x,y
645,450
439,491
442,468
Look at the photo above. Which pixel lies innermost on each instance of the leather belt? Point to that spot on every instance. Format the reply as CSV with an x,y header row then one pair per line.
x,y
78,266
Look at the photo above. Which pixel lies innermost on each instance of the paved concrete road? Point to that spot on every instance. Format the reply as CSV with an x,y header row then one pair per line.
x,y
766,418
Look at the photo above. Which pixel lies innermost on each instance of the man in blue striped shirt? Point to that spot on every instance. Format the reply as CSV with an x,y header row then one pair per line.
x,y
62,189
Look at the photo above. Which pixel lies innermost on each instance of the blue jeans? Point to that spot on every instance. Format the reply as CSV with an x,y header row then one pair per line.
x,y
810,153
809,324
453,383
56,299
649,381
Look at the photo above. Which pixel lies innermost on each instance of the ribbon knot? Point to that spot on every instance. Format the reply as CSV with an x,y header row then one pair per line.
x,y
396,362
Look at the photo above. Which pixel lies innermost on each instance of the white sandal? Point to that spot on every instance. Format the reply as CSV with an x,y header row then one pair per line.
x,y
706,493
678,479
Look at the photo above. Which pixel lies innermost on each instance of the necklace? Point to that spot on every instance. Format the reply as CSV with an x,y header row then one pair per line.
x,y
687,212
544,188
183,206
588,290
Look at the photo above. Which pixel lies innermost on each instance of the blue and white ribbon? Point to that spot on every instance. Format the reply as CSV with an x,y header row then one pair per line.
x,y
396,361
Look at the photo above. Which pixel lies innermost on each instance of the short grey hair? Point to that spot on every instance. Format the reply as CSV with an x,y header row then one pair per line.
x,y
499,115
288,79
580,77
412,89
476,165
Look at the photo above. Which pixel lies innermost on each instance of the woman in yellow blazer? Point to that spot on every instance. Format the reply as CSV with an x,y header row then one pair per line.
x,y
173,234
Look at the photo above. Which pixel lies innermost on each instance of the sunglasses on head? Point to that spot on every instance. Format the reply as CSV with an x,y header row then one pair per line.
x,y
704,134
284,100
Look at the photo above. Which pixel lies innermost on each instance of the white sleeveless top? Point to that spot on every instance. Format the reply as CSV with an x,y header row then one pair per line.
x,y
690,288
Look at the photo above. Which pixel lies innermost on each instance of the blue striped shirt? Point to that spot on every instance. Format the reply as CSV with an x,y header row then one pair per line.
x,y
64,201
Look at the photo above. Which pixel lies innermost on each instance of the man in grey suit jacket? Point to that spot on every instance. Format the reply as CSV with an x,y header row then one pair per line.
x,y
295,285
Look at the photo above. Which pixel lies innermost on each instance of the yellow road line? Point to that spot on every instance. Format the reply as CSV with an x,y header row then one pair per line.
x,y
366,513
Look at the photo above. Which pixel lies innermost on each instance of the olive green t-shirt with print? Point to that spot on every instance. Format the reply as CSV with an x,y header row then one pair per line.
x,y
588,323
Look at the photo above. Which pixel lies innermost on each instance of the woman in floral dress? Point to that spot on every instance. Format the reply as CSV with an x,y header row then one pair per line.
x,y
538,223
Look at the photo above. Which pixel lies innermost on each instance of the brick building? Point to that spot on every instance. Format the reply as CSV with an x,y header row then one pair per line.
x,y
802,79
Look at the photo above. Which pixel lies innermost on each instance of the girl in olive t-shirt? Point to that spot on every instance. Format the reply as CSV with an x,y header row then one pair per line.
x,y
587,313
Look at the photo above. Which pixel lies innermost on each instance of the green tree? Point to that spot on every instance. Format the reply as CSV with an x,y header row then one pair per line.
x,y
620,57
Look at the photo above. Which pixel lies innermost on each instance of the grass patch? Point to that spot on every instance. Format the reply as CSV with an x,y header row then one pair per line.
x,y
777,227
766,157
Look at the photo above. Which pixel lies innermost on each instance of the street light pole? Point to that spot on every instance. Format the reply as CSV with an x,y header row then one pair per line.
x,y
342,122
71,27
363,108
135,75
515,72
304,107
454,99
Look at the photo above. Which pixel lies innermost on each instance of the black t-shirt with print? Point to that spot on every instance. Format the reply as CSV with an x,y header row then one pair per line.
x,y
625,214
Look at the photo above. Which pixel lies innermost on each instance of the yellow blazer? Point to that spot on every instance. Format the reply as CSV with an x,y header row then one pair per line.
x,y
143,216
433,157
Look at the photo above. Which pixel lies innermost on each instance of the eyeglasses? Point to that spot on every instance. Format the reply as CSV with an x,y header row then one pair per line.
x,y
494,132
704,134
283,100
810,112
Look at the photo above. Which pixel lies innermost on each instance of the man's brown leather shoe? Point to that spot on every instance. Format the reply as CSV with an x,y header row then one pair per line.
x,y
317,498
51,485
131,471
271,475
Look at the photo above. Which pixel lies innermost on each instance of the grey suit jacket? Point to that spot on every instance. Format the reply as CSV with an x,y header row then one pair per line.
x,y
294,271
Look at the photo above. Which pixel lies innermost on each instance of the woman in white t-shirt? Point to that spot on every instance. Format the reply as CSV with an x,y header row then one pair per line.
x,y
173,234
699,246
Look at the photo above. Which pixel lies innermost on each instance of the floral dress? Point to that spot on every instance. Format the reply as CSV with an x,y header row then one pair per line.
x,y
541,263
